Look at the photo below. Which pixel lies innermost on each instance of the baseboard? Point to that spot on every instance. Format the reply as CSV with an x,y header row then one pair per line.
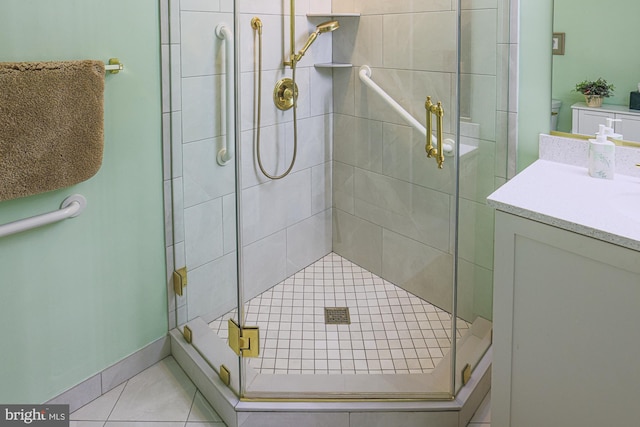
x,y
94,387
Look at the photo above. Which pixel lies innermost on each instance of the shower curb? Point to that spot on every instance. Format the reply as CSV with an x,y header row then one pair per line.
x,y
237,413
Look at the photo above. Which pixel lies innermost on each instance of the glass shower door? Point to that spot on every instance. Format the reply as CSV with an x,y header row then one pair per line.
x,y
202,52
351,261
368,267
484,117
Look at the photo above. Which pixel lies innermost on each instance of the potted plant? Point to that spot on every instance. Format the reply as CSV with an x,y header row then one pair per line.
x,y
594,91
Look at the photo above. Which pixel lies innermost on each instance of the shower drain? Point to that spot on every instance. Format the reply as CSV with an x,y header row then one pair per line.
x,y
337,316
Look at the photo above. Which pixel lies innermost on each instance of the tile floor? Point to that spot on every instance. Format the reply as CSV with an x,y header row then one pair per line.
x,y
160,396
164,396
391,330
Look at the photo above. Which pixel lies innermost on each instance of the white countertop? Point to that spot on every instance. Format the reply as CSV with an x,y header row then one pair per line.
x,y
567,197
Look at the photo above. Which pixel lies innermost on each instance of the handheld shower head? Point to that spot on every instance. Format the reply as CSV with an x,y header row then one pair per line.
x,y
325,27
328,26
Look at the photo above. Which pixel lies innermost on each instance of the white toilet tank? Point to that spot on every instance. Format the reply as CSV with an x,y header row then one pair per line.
x,y
555,109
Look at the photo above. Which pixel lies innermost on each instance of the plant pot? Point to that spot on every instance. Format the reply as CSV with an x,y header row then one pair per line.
x,y
593,101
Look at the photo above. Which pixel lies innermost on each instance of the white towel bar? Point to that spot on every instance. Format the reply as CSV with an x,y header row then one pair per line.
x,y
226,154
365,77
71,207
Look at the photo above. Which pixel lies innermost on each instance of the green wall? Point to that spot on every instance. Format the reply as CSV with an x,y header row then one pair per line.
x,y
80,295
534,84
601,41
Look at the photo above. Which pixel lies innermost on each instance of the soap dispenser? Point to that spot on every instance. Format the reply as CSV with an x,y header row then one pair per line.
x,y
602,156
608,130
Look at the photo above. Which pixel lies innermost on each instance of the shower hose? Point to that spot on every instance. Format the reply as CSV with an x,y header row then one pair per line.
x,y
258,27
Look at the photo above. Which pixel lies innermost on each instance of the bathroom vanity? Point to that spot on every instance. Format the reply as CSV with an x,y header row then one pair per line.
x,y
566,298
585,120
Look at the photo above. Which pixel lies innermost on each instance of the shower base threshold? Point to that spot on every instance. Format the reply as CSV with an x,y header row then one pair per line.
x,y
345,408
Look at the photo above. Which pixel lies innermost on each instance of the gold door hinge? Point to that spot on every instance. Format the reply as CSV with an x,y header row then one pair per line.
x,y
244,341
180,280
187,334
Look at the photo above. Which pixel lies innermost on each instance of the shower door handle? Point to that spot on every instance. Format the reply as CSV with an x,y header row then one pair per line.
x,y
438,111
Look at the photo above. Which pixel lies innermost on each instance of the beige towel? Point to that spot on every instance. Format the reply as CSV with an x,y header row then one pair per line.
x,y
51,125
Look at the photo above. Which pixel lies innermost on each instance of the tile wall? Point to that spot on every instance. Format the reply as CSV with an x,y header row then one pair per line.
x,y
287,223
398,224
393,208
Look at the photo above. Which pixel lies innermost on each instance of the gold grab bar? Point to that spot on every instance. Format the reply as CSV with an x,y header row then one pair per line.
x,y
438,111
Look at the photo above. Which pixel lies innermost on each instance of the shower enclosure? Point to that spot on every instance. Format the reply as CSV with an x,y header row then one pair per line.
x,y
366,272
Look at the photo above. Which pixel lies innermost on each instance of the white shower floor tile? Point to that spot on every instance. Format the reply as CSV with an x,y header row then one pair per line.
x,y
391,330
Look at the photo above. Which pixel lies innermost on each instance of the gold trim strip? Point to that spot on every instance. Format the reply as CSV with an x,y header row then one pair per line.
x,y
436,397
619,142
466,374
570,135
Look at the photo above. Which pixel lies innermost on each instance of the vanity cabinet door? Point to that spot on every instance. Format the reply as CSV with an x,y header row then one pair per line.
x,y
565,328
629,128
587,121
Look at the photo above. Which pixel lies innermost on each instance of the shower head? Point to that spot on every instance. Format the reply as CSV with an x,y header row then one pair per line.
x,y
328,26
325,27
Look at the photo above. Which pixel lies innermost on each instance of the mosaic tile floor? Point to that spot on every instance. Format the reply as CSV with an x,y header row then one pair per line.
x,y
391,330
